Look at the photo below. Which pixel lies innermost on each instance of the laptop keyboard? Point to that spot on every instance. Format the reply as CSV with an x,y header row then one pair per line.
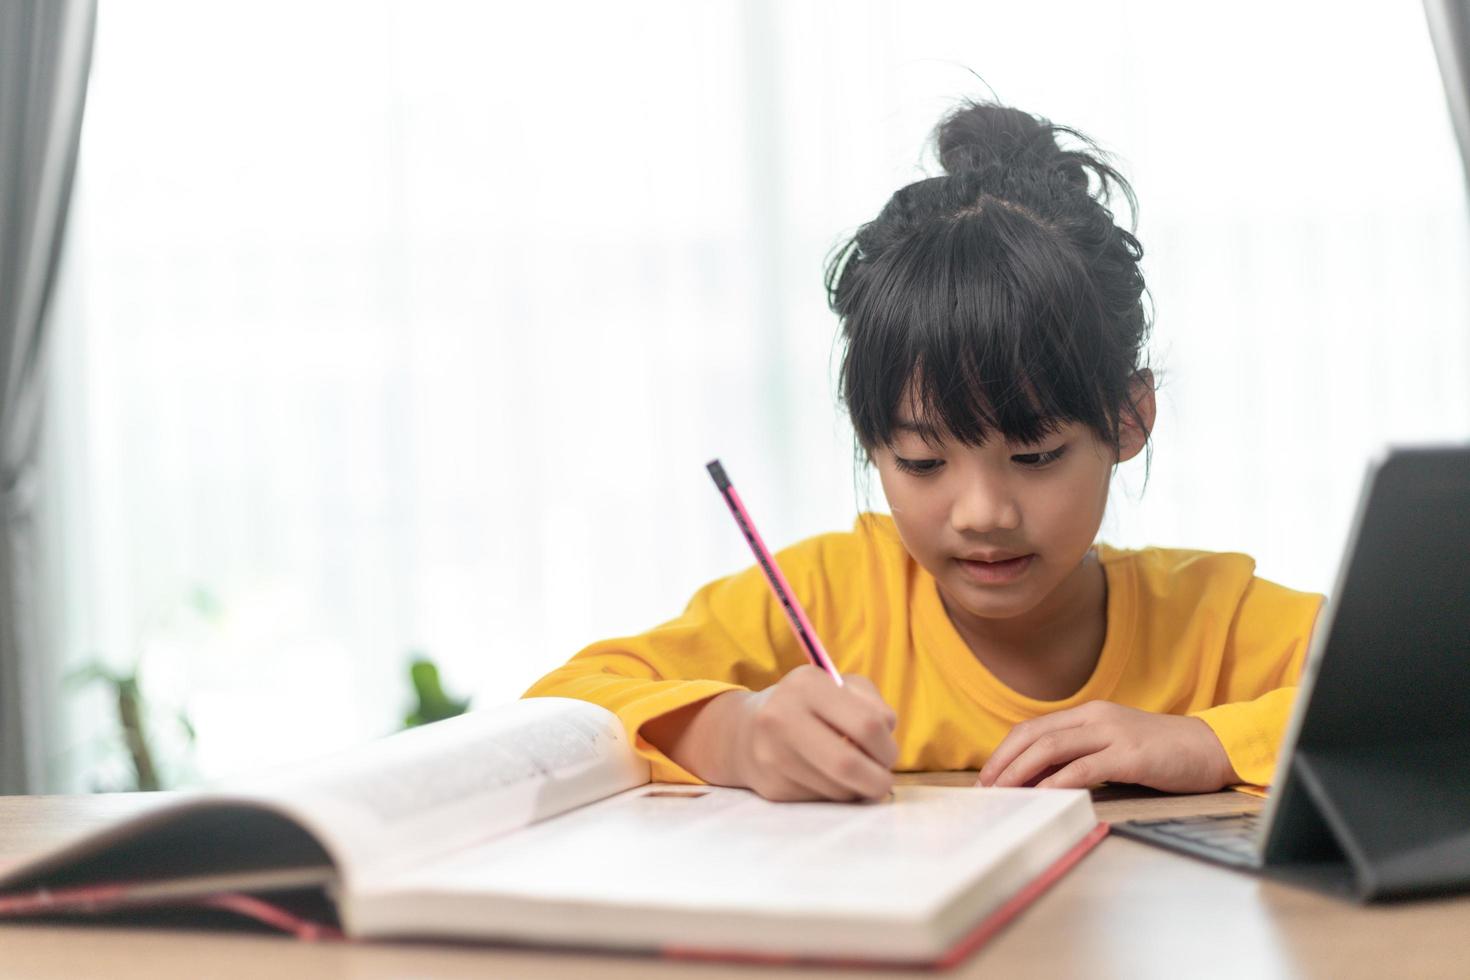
x,y
1227,838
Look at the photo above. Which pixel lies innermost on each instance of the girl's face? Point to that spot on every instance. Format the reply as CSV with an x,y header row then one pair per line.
x,y
1001,526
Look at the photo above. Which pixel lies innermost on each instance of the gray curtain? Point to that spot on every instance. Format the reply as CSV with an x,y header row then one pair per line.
x,y
45,55
1449,28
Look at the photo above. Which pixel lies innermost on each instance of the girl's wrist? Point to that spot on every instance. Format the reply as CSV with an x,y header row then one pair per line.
x,y
703,738
1227,775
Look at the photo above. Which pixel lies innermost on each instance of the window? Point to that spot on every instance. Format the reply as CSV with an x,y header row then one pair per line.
x,y
394,327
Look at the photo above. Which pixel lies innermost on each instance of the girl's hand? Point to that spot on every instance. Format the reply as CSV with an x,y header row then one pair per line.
x,y
1105,742
805,738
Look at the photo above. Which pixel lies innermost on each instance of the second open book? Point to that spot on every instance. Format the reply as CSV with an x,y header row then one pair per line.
x,y
534,822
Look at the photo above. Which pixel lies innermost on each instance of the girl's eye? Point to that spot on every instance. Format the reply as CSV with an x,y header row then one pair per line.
x,y
918,467
1037,460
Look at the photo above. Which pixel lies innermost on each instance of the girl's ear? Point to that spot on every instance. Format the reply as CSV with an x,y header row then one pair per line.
x,y
1134,429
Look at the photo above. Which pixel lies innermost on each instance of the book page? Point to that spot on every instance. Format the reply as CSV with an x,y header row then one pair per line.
x,y
397,802
405,799
728,852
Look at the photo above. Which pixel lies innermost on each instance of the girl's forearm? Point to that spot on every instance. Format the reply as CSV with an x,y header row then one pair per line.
x,y
703,737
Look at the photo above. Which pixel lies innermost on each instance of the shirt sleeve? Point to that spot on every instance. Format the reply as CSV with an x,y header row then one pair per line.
x,y
733,635
1265,650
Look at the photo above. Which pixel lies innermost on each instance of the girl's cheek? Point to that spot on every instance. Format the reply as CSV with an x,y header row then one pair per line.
x,y
1076,511
933,504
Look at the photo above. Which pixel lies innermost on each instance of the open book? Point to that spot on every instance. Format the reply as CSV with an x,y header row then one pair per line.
x,y
535,822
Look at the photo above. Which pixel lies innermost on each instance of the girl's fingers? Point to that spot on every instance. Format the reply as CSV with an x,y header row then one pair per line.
x,y
818,784
861,686
1055,748
857,719
1021,738
834,757
1080,773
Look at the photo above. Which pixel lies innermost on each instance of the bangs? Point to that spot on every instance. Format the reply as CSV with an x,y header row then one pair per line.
x,y
981,324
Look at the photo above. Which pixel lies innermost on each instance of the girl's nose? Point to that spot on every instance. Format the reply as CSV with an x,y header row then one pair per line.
x,y
985,504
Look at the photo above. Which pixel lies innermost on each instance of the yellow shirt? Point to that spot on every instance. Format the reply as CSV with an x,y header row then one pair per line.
x,y
1188,632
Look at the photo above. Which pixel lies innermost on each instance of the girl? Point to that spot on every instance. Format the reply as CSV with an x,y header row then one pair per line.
x,y
993,370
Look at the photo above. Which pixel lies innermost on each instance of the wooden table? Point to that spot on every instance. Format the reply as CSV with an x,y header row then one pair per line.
x,y
1127,910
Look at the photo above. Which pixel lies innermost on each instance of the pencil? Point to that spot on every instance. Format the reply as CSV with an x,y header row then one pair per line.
x,y
795,615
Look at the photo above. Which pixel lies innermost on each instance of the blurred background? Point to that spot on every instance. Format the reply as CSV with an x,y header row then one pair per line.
x,y
388,328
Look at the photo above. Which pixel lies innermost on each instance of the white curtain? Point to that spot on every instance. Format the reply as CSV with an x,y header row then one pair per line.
x,y
400,326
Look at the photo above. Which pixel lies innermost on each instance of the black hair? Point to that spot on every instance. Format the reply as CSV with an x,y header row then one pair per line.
x,y
1001,296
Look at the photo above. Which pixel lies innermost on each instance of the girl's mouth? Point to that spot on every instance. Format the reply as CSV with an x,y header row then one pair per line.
x,y
995,572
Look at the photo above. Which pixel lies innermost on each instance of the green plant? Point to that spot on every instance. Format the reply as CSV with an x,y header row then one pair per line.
x,y
431,702
132,720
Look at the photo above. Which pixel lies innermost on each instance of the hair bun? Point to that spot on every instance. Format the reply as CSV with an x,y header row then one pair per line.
x,y
981,135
